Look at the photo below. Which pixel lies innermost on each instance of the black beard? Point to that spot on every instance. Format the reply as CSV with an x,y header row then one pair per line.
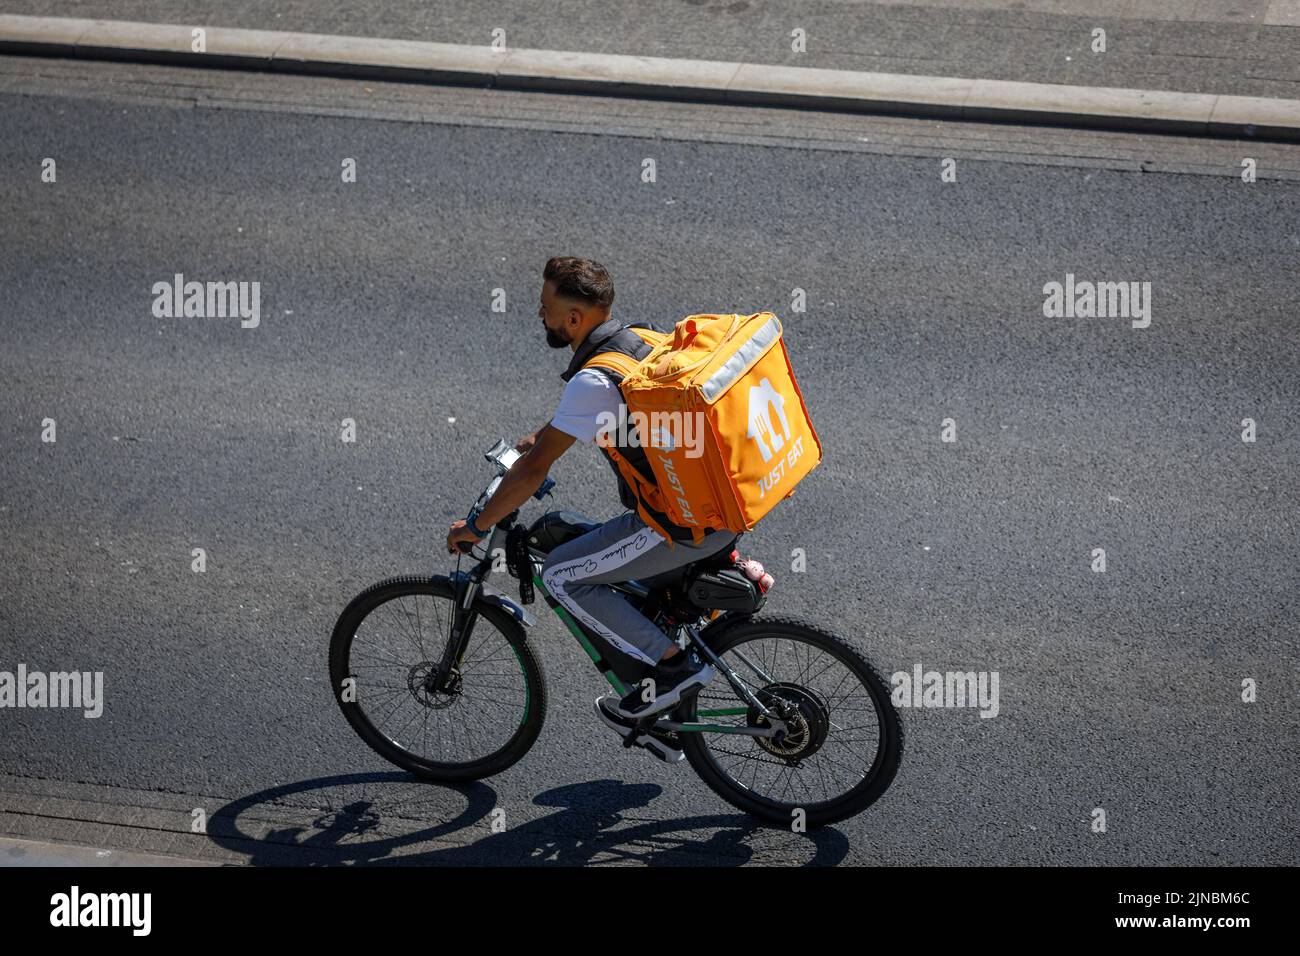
x,y
554,341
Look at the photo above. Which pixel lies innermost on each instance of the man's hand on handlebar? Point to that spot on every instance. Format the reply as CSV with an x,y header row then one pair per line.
x,y
460,538
527,442
512,489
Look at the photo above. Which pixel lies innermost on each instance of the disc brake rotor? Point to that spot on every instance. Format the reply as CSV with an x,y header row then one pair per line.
x,y
422,679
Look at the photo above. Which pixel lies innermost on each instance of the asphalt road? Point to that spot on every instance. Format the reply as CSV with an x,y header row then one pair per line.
x,y
1119,691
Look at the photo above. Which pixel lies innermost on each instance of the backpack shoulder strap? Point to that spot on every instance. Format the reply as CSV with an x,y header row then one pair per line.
x,y
622,363
649,335
614,362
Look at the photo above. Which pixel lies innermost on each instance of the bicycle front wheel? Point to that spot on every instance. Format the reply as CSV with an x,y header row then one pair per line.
x,y
384,655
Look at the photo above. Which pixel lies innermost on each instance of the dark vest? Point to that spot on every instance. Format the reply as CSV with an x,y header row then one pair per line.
x,y
615,336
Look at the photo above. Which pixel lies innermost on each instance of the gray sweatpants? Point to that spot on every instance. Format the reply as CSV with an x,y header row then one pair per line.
x,y
622,549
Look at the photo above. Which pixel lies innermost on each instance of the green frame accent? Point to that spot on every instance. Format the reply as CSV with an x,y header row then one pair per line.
x,y
576,631
711,728
623,689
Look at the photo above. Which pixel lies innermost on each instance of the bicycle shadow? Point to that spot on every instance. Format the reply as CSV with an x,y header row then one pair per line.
x,y
592,823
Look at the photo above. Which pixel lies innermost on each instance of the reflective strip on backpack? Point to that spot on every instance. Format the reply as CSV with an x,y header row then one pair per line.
x,y
736,366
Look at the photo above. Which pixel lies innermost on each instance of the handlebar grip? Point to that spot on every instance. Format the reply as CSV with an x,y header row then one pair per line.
x,y
464,547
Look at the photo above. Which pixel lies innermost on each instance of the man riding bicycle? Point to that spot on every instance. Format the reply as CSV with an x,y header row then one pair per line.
x,y
576,299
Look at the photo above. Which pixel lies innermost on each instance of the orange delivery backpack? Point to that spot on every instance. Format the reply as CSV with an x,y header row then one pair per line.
x,y
722,421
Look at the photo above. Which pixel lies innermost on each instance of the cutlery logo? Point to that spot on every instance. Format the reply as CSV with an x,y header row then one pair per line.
x,y
762,399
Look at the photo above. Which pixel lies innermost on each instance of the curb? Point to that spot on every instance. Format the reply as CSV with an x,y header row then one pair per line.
x,y
704,81
15,851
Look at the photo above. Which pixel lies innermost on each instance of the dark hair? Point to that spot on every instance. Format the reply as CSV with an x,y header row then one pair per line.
x,y
583,279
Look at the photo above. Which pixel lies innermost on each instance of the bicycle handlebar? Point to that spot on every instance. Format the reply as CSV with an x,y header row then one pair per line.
x,y
503,457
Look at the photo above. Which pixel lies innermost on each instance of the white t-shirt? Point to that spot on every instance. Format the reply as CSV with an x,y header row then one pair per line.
x,y
586,396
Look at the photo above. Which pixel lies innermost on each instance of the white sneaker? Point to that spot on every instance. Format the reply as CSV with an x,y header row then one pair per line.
x,y
662,743
682,673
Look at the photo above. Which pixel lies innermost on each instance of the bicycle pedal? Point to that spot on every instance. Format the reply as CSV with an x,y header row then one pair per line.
x,y
640,727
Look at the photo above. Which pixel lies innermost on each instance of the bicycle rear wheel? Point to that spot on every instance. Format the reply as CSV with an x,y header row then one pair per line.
x,y
384,653
844,740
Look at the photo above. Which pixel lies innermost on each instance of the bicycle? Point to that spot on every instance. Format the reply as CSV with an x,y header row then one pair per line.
x,y
774,710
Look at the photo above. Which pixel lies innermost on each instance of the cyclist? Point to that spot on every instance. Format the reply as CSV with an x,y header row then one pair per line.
x,y
576,300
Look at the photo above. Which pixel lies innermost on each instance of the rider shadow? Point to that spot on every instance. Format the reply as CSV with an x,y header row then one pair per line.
x,y
593,823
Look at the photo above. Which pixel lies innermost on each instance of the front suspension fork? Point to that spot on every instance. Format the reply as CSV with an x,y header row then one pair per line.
x,y
468,587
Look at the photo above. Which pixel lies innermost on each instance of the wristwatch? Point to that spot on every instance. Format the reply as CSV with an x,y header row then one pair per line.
x,y
469,523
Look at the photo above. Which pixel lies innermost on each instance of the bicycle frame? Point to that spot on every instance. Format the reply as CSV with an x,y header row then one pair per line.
x,y
471,587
